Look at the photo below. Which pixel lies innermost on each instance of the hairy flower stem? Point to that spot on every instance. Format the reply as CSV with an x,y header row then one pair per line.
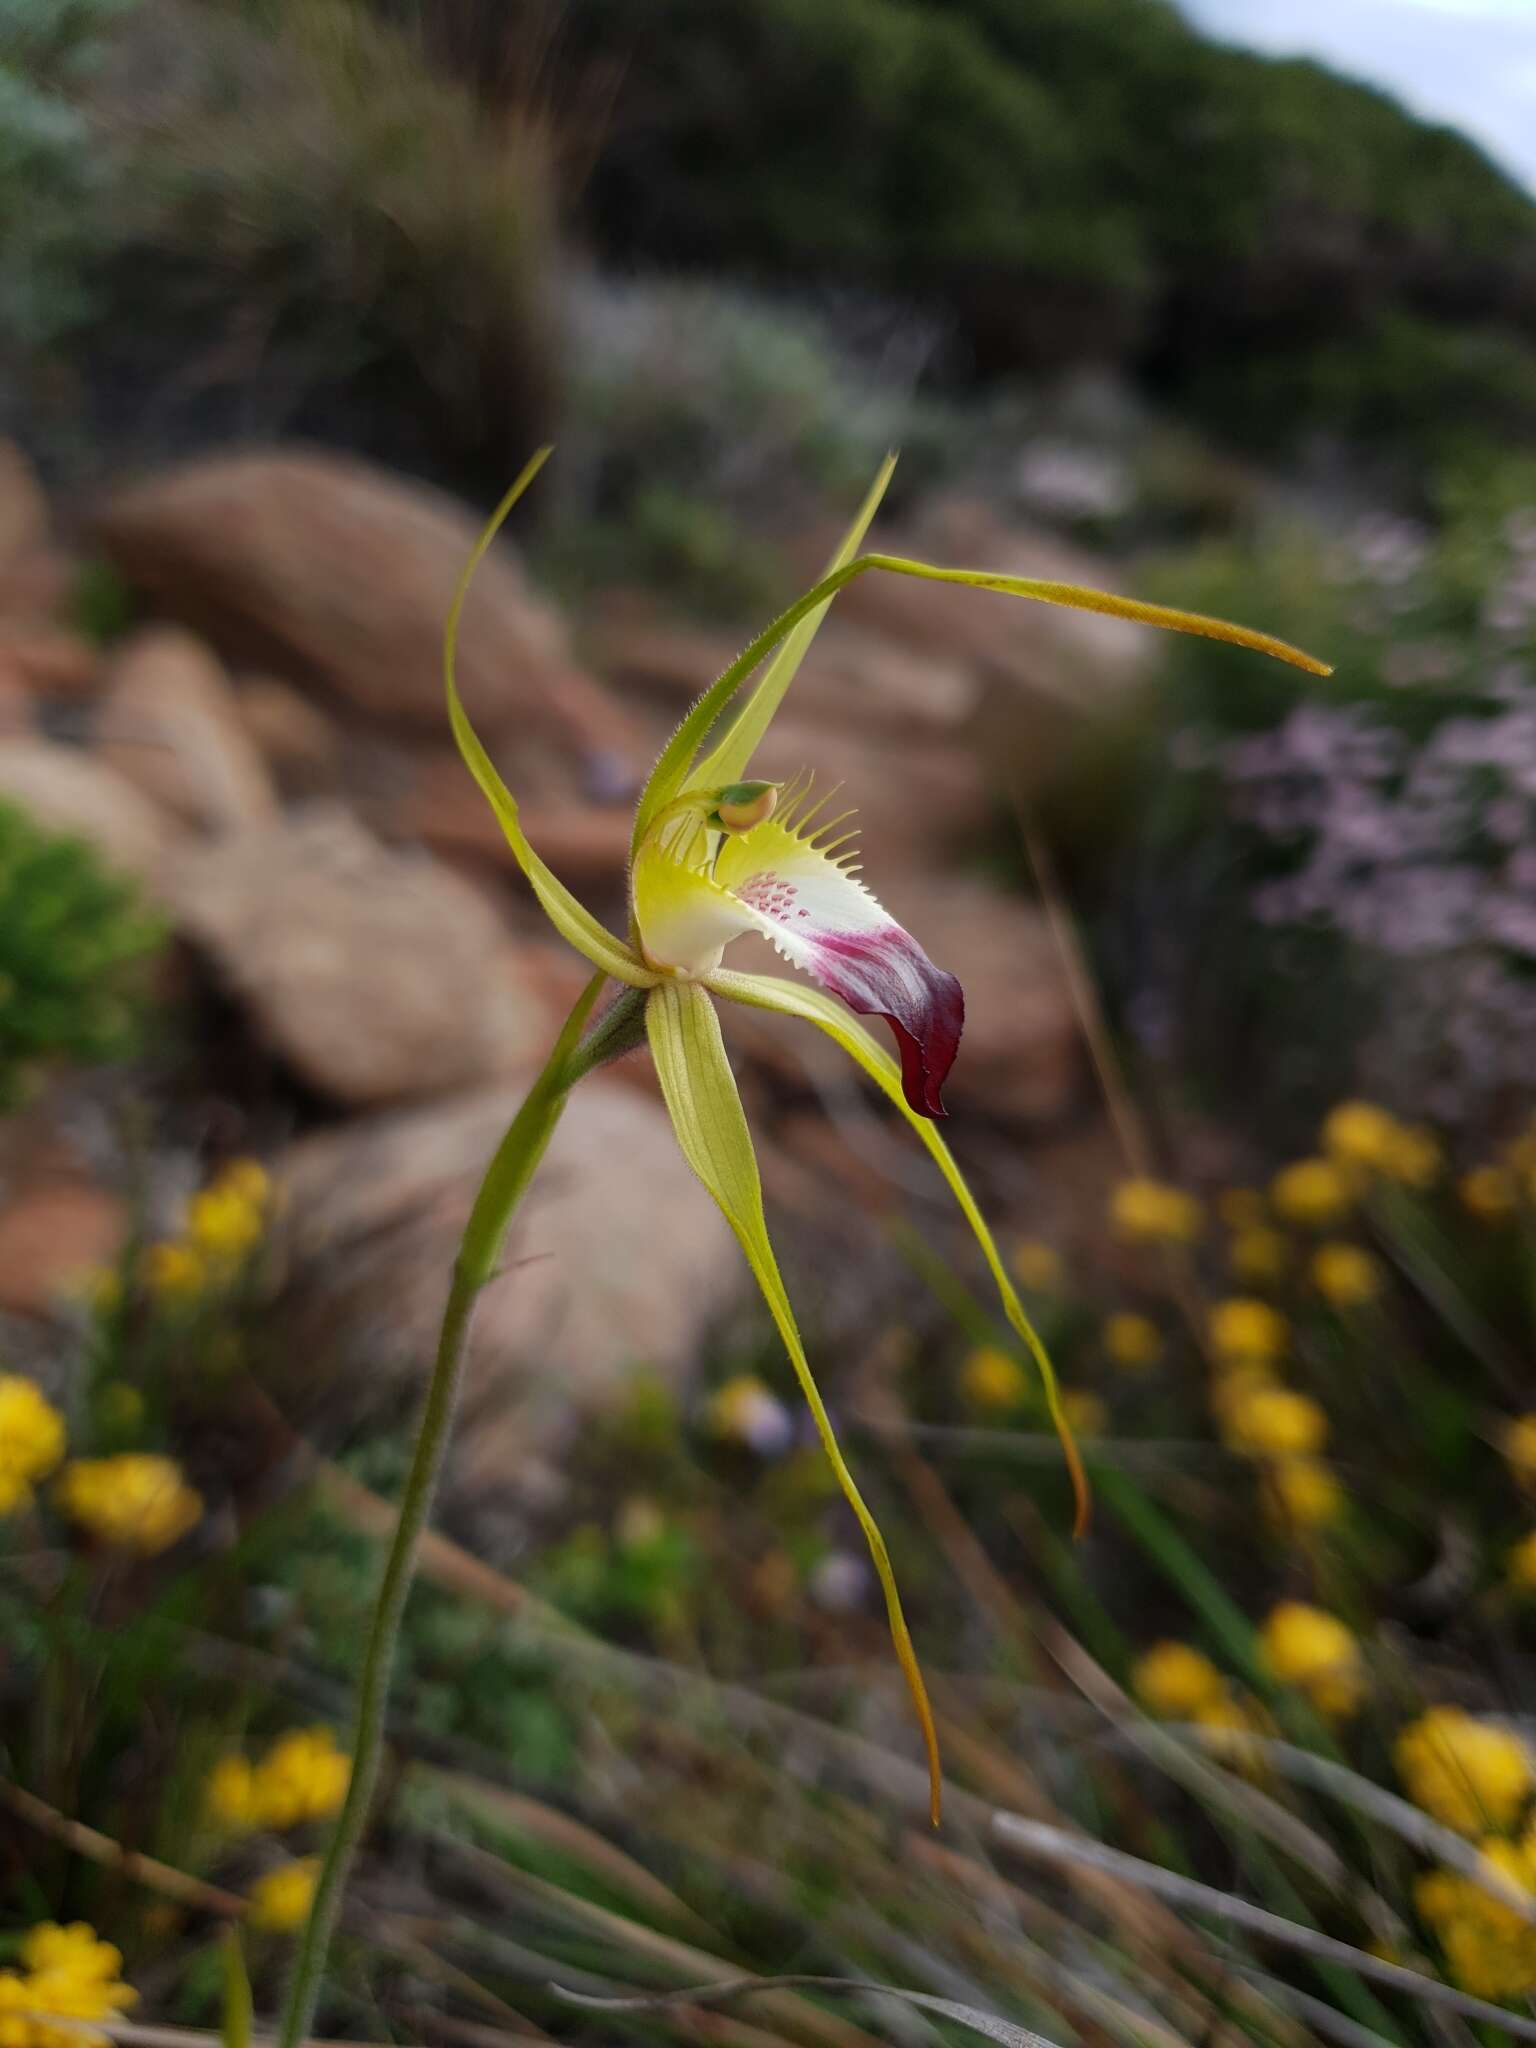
x,y
479,1256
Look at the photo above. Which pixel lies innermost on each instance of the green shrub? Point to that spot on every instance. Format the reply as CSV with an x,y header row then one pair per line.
x,y
701,418
1071,180
875,142
73,943
310,229
52,173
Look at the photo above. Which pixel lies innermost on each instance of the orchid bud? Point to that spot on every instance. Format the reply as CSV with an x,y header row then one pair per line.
x,y
741,805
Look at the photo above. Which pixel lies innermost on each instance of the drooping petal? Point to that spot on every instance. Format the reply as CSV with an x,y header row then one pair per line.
x,y
701,1098
766,992
805,898
574,922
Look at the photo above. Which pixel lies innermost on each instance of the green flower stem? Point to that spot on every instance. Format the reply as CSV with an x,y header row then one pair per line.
x,y
479,1257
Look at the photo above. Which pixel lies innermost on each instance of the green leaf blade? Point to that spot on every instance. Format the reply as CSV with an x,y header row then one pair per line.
x,y
701,1097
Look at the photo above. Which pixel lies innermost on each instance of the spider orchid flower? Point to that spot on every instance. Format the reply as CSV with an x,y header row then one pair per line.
x,y
716,856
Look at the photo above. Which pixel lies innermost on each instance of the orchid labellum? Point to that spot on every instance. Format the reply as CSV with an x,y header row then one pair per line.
x,y
717,856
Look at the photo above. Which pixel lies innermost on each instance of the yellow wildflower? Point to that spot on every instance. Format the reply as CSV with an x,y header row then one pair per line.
x,y
135,1501
1305,1493
1312,1192
1153,1212
1520,1565
1307,1647
1134,1342
15,2032
1085,1411
1038,1267
223,1225
31,1439
1259,1254
1517,1440
1175,1681
1467,1773
230,1794
1274,1422
1489,1193
1346,1275
1416,1158
994,1379
1490,1947
1233,1386
1361,1134
173,1271
302,1777
1243,1331
280,1900
68,1973
248,1179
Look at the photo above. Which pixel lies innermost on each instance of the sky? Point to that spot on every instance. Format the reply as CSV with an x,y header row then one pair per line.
x,y
1470,63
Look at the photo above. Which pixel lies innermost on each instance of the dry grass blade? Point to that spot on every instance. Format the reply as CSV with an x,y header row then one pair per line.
x,y
572,1837
988,2024
1052,1845
99,1848
1415,1827
798,2014
1327,2019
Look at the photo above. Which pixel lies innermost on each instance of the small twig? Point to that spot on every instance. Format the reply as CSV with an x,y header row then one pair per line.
x,y
1123,1113
100,1848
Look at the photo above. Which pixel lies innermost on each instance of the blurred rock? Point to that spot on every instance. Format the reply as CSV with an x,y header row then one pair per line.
x,y
290,556
378,976
1021,1057
1070,480
69,792
17,708
24,519
168,722
49,661
36,583
618,1260
918,802
52,1236
441,807
853,676
868,681
300,744
641,651
1081,658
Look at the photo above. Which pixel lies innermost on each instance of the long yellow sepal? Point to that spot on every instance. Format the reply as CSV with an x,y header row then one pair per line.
x,y
574,922
675,767
700,1093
